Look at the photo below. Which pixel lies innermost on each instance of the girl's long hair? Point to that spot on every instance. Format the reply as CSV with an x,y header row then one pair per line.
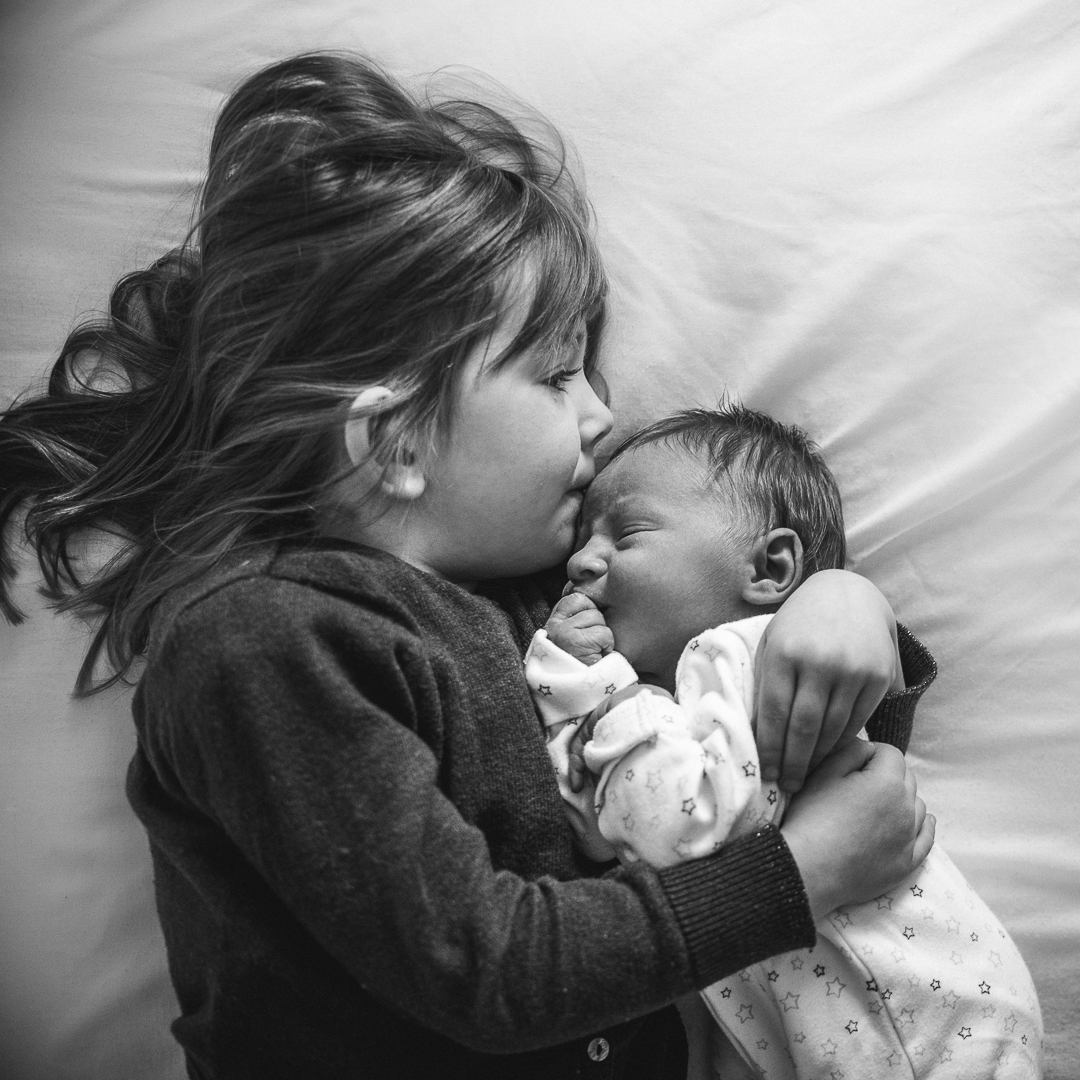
x,y
349,234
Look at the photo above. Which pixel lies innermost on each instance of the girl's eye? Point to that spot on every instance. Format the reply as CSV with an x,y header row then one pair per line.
x,y
562,378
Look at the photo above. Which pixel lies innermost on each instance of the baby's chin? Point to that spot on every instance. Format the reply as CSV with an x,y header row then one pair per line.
x,y
651,665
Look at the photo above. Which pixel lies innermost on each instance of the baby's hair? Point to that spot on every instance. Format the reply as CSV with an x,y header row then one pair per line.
x,y
349,234
776,473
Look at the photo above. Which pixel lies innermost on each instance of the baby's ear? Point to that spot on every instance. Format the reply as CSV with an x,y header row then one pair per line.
x,y
777,568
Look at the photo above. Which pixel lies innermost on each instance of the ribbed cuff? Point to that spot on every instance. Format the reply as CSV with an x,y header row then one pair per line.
x,y
893,718
742,905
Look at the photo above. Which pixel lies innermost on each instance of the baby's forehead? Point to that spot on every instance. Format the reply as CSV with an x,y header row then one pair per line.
x,y
648,473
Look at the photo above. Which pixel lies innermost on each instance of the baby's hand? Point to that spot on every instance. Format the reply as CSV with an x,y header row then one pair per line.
x,y
826,660
577,626
576,750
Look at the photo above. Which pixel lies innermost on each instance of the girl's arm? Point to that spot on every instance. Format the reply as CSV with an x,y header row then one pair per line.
x,y
282,774
828,659
296,734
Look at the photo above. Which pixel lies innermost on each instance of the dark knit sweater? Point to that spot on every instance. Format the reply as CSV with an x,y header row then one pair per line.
x,y
361,859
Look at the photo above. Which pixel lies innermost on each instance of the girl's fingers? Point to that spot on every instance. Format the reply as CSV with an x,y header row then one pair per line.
x,y
868,699
837,725
924,841
774,697
803,731
911,785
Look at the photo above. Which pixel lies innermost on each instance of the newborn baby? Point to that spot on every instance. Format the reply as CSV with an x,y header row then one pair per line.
x,y
696,532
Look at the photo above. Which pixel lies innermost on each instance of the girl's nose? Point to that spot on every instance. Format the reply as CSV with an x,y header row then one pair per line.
x,y
596,419
587,564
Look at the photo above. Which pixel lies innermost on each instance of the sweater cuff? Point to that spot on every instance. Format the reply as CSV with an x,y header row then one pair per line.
x,y
741,906
893,718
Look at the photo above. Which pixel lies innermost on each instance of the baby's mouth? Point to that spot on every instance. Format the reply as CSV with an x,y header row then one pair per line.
x,y
570,587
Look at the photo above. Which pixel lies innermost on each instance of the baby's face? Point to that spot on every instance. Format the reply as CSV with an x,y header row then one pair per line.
x,y
662,554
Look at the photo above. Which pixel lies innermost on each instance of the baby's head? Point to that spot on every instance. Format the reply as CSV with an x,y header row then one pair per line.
x,y
704,517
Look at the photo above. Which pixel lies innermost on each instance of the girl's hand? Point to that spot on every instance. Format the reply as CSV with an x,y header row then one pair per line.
x,y
826,660
577,626
857,828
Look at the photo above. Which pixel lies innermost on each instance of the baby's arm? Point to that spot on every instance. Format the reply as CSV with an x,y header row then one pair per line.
x,y
570,664
674,784
678,780
571,669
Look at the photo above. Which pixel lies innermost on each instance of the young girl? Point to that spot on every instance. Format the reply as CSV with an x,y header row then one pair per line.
x,y
338,438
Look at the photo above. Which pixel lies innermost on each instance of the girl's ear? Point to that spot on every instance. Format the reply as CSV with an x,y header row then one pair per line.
x,y
358,424
401,479
777,568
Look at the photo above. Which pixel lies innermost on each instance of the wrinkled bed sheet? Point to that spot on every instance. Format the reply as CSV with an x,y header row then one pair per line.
x,y
865,218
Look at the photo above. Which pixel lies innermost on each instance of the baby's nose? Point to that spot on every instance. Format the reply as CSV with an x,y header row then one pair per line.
x,y
586,564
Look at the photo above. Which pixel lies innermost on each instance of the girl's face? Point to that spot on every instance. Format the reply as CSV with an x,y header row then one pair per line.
x,y
507,481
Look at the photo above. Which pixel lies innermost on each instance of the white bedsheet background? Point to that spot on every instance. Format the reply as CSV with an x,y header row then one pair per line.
x,y
865,218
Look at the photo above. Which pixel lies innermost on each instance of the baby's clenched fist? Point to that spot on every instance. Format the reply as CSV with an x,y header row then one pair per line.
x,y
577,626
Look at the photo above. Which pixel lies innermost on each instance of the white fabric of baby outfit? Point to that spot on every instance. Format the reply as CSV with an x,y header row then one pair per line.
x,y
921,982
